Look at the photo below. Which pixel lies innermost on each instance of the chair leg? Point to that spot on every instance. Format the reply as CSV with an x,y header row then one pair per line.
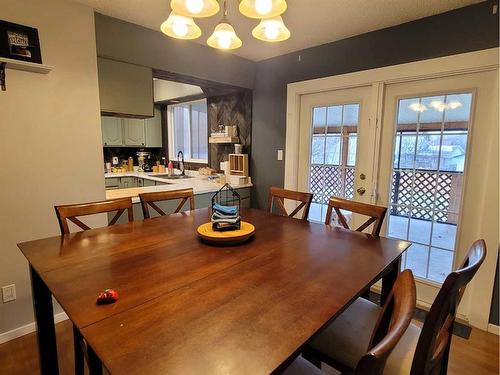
x,y
79,358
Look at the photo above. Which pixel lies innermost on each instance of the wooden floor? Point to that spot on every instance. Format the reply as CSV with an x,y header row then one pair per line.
x,y
478,355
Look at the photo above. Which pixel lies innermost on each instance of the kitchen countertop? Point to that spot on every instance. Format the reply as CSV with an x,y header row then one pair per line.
x,y
198,183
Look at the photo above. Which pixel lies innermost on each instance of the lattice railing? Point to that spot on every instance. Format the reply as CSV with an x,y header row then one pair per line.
x,y
327,181
426,193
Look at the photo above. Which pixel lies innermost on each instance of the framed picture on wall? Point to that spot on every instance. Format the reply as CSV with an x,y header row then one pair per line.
x,y
19,42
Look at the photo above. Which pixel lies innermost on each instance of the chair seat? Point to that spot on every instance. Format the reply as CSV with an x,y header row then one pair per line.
x,y
302,367
346,339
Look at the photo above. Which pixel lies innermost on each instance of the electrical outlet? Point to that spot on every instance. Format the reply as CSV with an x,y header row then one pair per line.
x,y
9,293
280,154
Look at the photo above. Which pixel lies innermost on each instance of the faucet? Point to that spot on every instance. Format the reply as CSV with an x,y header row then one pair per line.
x,y
181,162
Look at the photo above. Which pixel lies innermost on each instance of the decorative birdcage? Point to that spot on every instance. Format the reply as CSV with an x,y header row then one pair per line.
x,y
226,196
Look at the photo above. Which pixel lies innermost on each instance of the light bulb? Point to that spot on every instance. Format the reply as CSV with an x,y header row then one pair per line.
x,y
224,40
454,104
194,6
179,28
263,7
271,31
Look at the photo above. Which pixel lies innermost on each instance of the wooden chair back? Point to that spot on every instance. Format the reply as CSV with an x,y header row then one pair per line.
x,y
279,195
393,321
431,353
149,199
71,212
376,213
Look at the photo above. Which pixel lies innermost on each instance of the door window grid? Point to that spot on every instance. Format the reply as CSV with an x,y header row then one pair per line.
x,y
438,212
188,129
333,155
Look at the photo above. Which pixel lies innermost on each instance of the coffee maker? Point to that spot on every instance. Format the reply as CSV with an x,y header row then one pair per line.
x,y
143,161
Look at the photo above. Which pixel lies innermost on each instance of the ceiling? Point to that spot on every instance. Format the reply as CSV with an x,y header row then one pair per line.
x,y
311,22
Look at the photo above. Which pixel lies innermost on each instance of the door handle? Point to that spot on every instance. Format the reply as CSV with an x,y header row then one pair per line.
x,y
361,190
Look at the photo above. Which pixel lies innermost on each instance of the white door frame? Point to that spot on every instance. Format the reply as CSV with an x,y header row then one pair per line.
x,y
485,60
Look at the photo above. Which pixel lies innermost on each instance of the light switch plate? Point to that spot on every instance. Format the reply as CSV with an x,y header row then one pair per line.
x,y
280,154
8,293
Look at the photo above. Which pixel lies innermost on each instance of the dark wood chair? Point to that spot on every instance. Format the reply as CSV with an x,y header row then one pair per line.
x,y
376,213
392,320
421,351
149,199
71,212
279,195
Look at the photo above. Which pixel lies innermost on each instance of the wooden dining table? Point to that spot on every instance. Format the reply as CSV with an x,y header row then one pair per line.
x,y
187,307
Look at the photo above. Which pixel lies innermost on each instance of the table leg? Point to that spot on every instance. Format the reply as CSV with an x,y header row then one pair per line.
x,y
95,364
389,279
46,331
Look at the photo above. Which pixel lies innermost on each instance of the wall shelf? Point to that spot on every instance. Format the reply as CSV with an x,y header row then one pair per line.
x,y
223,140
26,66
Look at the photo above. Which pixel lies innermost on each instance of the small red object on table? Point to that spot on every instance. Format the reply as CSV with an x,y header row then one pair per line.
x,y
108,296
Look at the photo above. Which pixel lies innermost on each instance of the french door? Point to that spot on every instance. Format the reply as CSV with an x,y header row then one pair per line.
x,y
335,125
424,158
425,147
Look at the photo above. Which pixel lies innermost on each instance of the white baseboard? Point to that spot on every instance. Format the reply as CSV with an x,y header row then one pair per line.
x,y
28,328
494,329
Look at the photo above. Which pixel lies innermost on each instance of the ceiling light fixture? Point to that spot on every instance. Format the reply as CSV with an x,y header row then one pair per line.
x,y
180,23
262,8
195,8
180,27
271,30
224,36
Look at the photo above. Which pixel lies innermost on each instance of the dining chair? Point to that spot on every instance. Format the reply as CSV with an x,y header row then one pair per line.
x,y
392,320
421,351
279,195
149,199
71,212
376,213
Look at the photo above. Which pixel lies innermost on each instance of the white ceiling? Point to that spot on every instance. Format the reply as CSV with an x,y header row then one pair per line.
x,y
311,22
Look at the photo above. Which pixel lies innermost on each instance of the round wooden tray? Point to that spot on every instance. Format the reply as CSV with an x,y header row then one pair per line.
x,y
230,237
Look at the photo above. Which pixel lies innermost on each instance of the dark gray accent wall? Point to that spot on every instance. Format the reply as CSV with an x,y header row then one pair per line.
x,y
123,41
463,30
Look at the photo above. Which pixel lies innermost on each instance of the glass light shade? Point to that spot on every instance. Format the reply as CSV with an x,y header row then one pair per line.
x,y
262,8
180,27
195,8
271,30
224,37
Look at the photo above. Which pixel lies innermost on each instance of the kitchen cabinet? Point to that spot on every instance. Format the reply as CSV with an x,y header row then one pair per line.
x,y
112,131
125,89
149,182
133,132
127,182
152,128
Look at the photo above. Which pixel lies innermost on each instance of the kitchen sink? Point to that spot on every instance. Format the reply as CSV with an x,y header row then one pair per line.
x,y
174,177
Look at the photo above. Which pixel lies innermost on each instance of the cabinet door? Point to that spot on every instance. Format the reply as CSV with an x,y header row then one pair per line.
x,y
112,134
153,130
125,88
134,132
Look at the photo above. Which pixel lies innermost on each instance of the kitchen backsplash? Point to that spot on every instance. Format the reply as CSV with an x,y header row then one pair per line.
x,y
123,153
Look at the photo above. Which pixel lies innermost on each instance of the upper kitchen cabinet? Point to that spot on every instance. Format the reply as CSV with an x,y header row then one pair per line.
x,y
134,134
112,131
153,130
125,89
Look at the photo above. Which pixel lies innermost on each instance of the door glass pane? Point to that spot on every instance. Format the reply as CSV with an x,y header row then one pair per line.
x,y
333,155
430,145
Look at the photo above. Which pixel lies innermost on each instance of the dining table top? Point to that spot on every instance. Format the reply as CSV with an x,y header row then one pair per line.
x,y
189,307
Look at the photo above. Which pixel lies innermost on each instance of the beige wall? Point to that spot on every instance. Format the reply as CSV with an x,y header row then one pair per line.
x,y
50,138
